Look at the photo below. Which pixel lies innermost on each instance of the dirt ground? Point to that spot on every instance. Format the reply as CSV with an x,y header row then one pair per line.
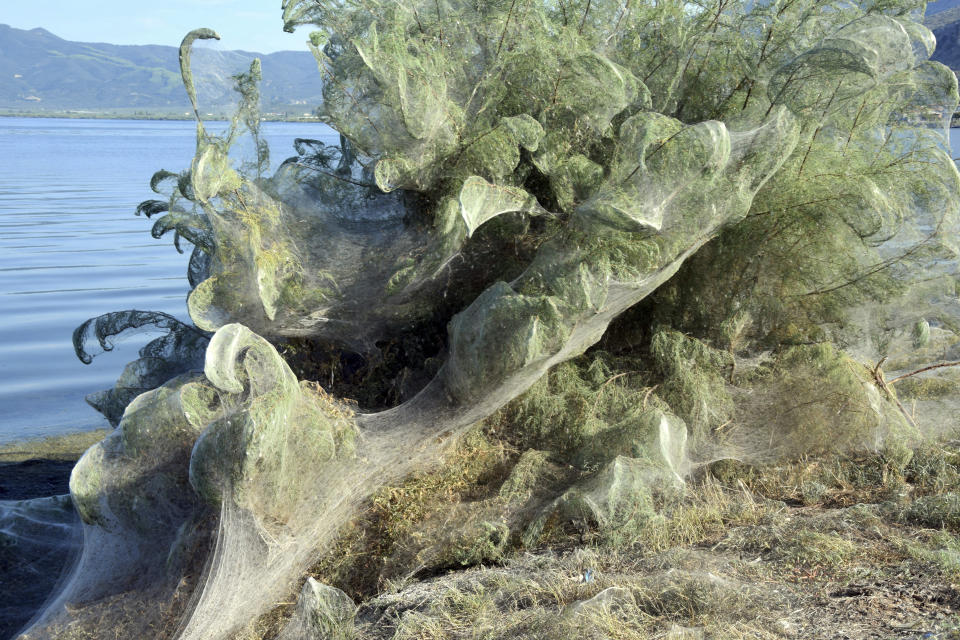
x,y
849,547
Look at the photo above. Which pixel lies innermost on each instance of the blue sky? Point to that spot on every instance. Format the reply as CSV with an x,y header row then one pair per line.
x,y
253,25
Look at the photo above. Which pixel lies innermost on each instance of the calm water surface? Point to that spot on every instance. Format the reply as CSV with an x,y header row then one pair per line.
x,y
71,249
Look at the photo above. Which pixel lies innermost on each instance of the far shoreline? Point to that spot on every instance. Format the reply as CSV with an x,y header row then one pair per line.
x,y
68,115
213,117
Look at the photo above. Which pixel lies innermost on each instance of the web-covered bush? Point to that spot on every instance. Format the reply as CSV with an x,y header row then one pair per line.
x,y
514,176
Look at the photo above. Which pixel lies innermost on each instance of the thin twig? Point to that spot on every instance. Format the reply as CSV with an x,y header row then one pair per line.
x,y
584,20
646,396
605,383
722,427
930,368
506,24
880,382
333,175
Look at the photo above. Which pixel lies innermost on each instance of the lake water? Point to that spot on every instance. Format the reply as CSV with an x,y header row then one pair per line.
x,y
71,248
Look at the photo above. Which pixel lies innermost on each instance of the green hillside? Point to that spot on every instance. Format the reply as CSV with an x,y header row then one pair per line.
x,y
946,27
45,74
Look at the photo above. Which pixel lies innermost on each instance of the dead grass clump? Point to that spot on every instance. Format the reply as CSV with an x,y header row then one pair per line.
x,y
358,562
810,548
927,388
702,514
545,596
470,474
798,545
523,600
694,596
838,480
934,468
939,549
122,614
729,471
938,511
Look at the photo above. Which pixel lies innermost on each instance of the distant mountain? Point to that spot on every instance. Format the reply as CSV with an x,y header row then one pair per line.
x,y
940,6
40,72
946,27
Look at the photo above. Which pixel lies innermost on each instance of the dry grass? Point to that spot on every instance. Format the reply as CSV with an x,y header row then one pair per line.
x,y
363,560
66,447
811,547
807,548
